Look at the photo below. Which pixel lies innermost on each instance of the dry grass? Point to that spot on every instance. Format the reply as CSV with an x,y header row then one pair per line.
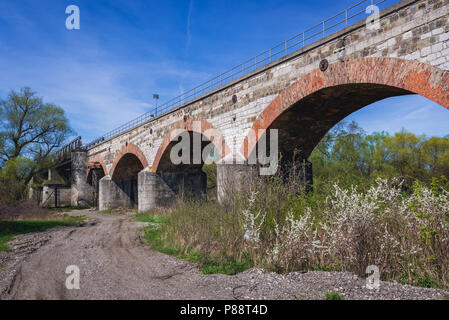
x,y
27,210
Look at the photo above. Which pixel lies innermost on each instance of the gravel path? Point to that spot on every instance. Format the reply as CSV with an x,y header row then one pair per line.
x,y
114,264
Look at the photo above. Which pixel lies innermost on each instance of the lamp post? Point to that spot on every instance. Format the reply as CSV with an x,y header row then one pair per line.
x,y
156,97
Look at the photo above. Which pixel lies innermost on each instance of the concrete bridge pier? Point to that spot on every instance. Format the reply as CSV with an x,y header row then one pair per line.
x,y
159,189
111,194
233,178
153,191
81,191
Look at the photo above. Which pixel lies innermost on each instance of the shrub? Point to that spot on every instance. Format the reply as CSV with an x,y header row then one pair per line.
x,y
275,226
333,296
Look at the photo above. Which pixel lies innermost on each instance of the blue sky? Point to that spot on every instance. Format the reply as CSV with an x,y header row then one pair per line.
x,y
106,73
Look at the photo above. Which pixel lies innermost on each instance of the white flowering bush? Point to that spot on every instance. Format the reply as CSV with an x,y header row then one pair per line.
x,y
404,231
407,236
252,223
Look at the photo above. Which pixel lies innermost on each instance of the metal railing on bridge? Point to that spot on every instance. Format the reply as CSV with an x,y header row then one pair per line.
x,y
313,34
69,147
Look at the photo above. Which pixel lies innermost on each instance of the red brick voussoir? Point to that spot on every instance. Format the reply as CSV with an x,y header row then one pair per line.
x,y
98,158
188,125
129,148
416,77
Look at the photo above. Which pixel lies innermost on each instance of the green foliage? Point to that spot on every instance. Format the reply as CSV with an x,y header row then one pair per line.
x,y
348,155
332,229
30,127
30,130
427,282
69,208
12,187
333,296
228,266
156,235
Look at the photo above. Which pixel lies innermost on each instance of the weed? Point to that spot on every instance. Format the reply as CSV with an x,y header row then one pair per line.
x,y
333,296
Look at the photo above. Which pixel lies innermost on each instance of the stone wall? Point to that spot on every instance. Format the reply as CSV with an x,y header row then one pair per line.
x,y
410,30
409,53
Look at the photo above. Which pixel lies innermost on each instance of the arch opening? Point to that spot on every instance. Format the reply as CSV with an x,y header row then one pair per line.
x,y
305,123
385,77
187,165
312,105
96,171
125,178
302,126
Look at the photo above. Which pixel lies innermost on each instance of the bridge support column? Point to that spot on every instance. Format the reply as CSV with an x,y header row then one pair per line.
x,y
110,195
153,191
234,178
81,191
190,184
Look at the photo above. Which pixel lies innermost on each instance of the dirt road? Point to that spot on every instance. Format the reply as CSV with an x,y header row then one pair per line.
x,y
115,264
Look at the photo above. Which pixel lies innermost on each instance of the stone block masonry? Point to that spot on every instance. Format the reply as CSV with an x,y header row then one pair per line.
x,y
408,54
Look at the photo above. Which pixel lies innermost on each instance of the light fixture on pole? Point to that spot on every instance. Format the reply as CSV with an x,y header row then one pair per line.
x,y
156,97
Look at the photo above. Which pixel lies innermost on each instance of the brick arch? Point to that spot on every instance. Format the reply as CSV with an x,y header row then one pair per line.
x,y
132,149
188,125
98,158
415,77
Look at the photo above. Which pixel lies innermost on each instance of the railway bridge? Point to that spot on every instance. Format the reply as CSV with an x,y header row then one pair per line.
x,y
302,87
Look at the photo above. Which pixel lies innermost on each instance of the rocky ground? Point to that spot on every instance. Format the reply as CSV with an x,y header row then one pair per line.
x,y
115,264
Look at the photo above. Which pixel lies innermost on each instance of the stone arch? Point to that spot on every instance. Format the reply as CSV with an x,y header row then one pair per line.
x,y
129,148
404,76
94,175
99,159
189,125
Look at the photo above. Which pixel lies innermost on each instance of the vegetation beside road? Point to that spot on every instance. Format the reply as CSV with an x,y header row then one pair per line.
x,y
30,131
156,235
377,199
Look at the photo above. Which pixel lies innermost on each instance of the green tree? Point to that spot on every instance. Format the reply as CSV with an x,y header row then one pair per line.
x,y
347,155
376,154
404,153
435,155
349,150
30,129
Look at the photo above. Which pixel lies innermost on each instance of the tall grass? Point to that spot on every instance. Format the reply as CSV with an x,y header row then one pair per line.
x,y
274,225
